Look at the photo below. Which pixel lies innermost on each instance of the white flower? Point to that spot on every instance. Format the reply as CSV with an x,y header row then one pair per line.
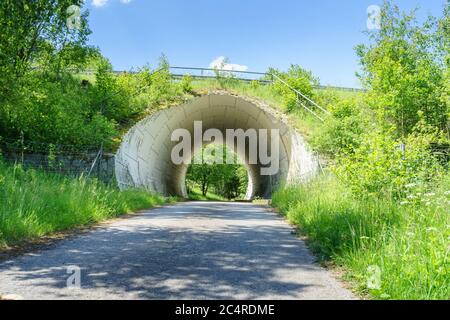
x,y
431,194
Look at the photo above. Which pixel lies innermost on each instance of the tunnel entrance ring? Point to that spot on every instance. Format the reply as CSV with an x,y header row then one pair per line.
x,y
144,157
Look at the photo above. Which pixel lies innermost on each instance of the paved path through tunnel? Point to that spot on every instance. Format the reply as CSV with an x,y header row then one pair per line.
x,y
190,250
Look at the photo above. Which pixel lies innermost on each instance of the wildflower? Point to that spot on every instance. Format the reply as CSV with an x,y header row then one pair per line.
x,y
411,197
404,203
411,185
447,193
431,194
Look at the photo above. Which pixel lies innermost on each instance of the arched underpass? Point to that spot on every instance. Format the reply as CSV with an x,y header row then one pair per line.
x,y
144,158
190,250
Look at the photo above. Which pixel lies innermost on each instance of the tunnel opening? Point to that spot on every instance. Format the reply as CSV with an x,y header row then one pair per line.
x,y
210,177
145,158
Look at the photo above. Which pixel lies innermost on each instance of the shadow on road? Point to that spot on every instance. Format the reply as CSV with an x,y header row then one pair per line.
x,y
192,250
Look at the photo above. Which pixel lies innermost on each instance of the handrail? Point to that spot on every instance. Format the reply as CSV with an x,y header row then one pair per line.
x,y
312,112
301,94
224,70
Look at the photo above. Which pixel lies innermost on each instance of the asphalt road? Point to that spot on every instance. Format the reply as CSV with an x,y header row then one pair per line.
x,y
187,251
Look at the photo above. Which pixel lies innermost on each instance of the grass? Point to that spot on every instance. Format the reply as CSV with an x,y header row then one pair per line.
x,y
410,244
196,195
300,119
34,204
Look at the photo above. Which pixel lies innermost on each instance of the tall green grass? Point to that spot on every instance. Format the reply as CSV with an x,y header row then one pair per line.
x,y
408,242
195,194
35,204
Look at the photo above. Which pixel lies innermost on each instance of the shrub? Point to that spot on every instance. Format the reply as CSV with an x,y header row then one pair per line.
x,y
186,84
380,166
297,78
342,131
404,68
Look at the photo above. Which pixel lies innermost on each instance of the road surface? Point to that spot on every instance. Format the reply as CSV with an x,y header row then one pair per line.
x,y
191,250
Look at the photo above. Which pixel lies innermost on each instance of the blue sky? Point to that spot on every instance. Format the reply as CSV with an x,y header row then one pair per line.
x,y
319,35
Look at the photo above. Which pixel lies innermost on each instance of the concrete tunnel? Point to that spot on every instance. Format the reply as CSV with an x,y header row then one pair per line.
x,y
144,157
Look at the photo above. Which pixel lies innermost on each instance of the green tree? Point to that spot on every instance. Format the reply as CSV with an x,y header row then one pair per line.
x,y
37,33
404,72
227,180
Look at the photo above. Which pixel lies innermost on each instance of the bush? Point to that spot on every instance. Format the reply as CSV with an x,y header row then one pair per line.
x,y
64,110
186,84
299,79
342,131
58,112
379,166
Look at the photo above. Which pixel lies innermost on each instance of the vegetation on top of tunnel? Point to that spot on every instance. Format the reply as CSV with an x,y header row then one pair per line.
x,y
46,98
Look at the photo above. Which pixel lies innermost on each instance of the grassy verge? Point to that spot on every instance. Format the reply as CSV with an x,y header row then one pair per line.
x,y
196,195
35,204
408,243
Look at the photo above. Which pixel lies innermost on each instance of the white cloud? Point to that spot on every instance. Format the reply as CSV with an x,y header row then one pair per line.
x,y
102,3
221,63
99,3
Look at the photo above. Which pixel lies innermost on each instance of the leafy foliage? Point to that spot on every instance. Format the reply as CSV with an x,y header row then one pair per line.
x,y
227,180
297,78
343,130
379,167
388,203
404,69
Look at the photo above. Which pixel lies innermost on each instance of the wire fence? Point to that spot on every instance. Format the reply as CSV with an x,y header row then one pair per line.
x,y
72,160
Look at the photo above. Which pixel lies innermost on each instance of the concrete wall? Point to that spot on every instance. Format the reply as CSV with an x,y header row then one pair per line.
x,y
144,158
